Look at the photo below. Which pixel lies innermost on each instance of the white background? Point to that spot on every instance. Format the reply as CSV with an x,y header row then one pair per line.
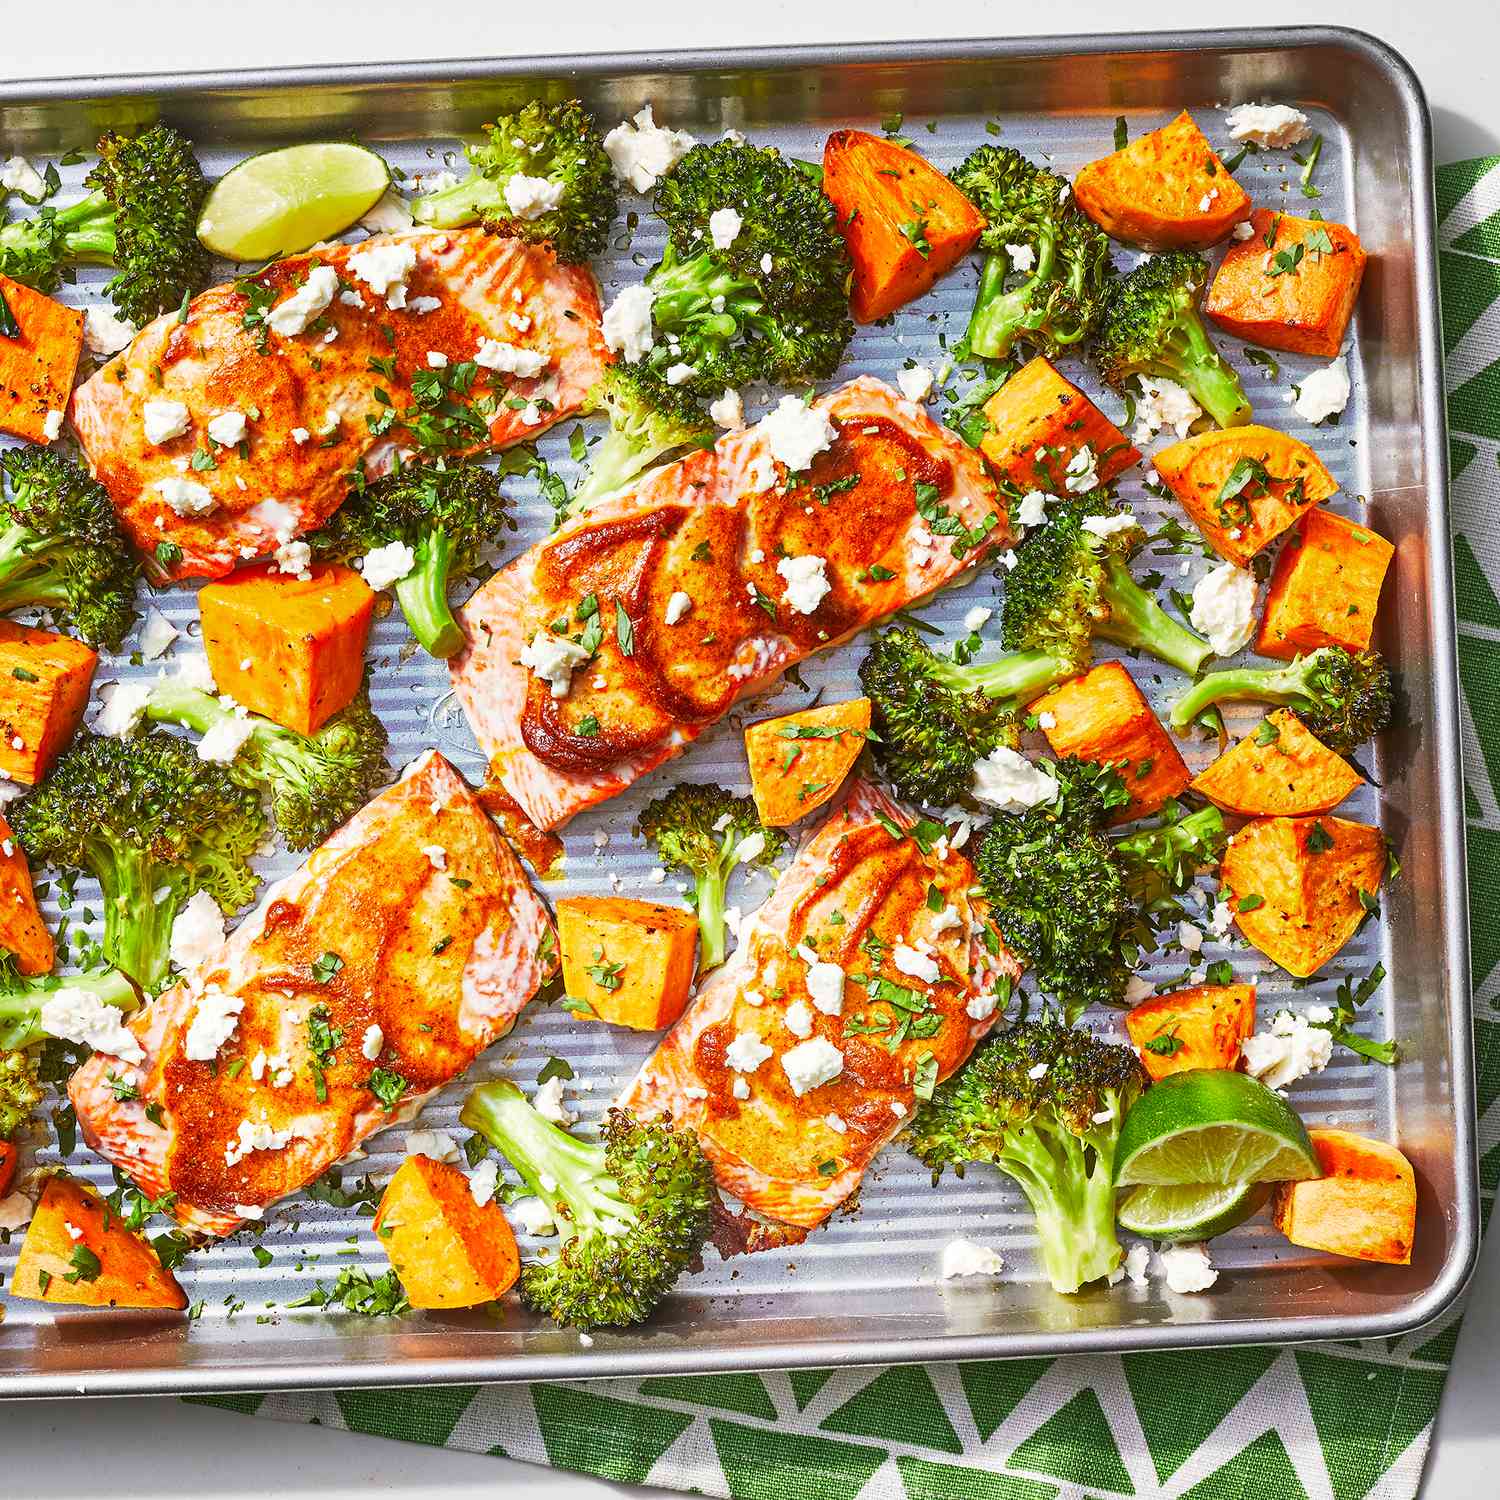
x,y
144,1450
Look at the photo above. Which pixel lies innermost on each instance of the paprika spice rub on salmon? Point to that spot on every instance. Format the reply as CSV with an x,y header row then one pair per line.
x,y
867,977
606,649
223,433
365,981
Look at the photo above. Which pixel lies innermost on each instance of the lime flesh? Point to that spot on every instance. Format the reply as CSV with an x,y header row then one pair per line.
x,y
283,201
1194,1211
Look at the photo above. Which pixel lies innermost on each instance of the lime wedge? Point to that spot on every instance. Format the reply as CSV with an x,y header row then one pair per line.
x,y
1195,1211
283,201
1209,1125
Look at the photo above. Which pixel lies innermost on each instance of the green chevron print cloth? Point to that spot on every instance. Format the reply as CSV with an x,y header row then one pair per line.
x,y
1342,1422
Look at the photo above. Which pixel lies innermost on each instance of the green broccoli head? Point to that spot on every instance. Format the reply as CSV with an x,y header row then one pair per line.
x,y
707,832
1056,301
1151,327
1043,1102
634,1211
571,207
153,824
61,547
20,1088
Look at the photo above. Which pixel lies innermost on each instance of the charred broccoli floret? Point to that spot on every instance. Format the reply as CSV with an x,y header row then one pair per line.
x,y
1343,697
61,547
141,218
1043,1103
539,175
708,832
20,1088
1151,327
1058,297
633,1212
153,823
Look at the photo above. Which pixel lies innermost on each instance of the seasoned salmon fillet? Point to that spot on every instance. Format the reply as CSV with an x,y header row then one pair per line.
x,y
869,975
705,581
365,981
485,342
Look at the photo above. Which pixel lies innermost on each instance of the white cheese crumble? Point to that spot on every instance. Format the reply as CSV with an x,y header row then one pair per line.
x,y
123,705
510,359
554,659
811,1064
977,618
915,382
729,410
197,932
1082,472
627,324
798,1019
75,1015
385,268
437,1144
185,496
530,197
963,1257
1032,510
916,964
981,1007
391,212
677,606
640,150
1244,230
214,1019
1162,404
548,1101
291,317
374,1040
1187,1268
104,333
225,739
1046,720
227,428
1103,526
437,856
825,982
383,566
19,176
156,634
1224,608
1189,937
1005,779
795,434
483,1181
52,425
162,420
1290,1050
1324,393
806,581
533,1216
746,1052
680,373
1022,257
256,1135
1274,125
724,225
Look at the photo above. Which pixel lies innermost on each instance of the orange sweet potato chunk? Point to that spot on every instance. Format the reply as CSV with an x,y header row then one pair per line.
x,y
1280,769
1301,886
10,1156
1243,486
1102,716
903,222
1292,285
1201,1027
448,1250
1039,421
44,689
630,962
77,1252
37,368
22,931
1325,587
1164,191
288,648
799,761
1363,1206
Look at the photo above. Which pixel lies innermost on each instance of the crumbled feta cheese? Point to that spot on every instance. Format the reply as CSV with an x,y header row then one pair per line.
x,y
981,1007
795,433
194,671
898,1109
811,1064
1224,608
1274,125
79,1015
739,1088
197,932
1046,720
510,359
1190,937
1324,393
1032,510
1103,526
1082,473
301,435
383,566
162,420
225,739
483,1181
746,1052
627,324
1137,1264
916,964
185,496
825,982
977,618
1038,1071
391,212
548,1101
1005,779
766,263
677,606
385,268
295,558
1022,257
530,197
19,176
963,1257
214,1019
156,634
680,373
227,428
531,414
533,1216
104,333
751,847
374,1040
1244,230
640,150
806,582
554,659
1162,404
1220,919
291,317
437,1144
798,1019
1206,202
1138,989
724,225
1290,1050
1187,1268
729,410
946,920
123,706
915,382
52,425
256,1135
424,305
436,360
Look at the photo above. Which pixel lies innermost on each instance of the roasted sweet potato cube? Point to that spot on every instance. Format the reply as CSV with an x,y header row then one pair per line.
x,y
1280,769
1325,586
1243,486
1291,285
903,222
448,1250
10,1156
44,689
22,931
630,962
1201,1027
1301,886
799,761
1039,422
1363,1206
1102,716
288,648
76,1251
37,364
1164,191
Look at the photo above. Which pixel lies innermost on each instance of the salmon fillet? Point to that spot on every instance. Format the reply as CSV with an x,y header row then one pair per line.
x,y
894,508
373,954
863,899
350,390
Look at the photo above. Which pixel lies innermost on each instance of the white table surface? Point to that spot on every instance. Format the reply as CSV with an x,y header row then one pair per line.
x,y
145,1449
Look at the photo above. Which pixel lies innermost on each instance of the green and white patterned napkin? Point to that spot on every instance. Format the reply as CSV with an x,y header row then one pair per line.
x,y
1340,1422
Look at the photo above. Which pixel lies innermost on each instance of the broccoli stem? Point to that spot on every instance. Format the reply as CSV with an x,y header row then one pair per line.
x,y
708,900
26,574
423,596
618,458
1286,686
1192,361
33,249
1022,675
1135,620
999,315
20,1005
463,203
138,913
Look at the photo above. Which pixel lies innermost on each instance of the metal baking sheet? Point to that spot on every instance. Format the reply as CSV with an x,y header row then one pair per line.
x,y
864,1288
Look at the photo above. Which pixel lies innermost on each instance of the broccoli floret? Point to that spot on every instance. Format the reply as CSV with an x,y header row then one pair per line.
x,y
1071,584
153,823
1151,327
1343,697
20,1088
935,718
707,832
633,1212
315,781
141,218
1056,303
61,547
446,513
556,142
1043,1103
